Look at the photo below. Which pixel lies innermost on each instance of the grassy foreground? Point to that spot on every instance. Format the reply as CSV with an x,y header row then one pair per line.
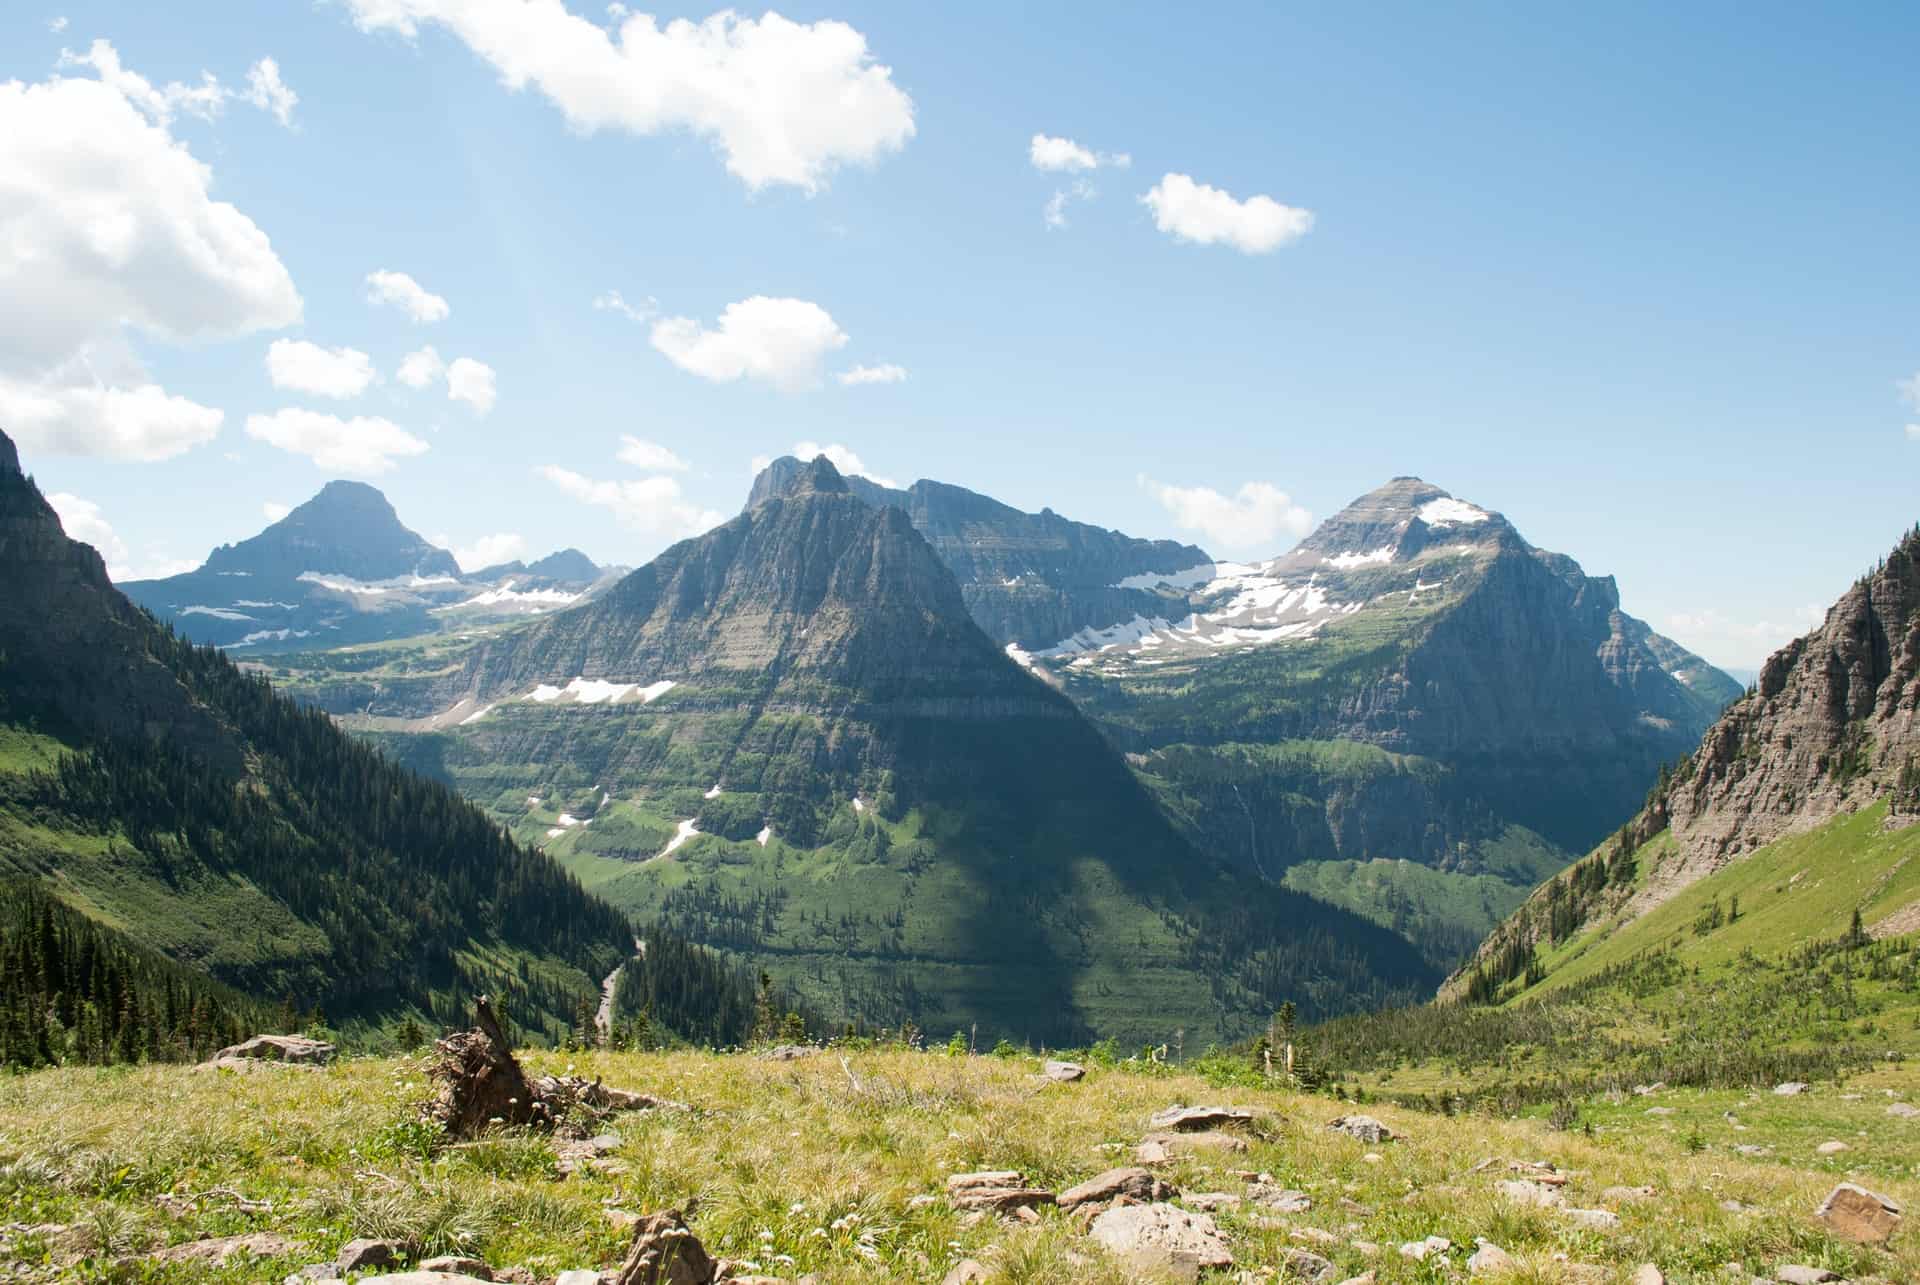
x,y
815,1166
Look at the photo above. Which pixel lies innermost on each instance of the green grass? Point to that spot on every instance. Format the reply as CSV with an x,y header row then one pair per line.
x,y
836,1165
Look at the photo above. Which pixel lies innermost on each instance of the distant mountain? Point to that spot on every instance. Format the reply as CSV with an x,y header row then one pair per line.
x,y
1028,579
1796,811
153,786
1414,712
341,569
787,738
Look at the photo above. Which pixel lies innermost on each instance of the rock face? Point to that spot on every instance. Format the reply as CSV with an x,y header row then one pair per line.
x,y
1162,1238
1028,579
1854,1213
807,676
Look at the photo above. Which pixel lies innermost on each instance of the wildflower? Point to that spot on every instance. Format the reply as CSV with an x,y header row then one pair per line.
x,y
797,1207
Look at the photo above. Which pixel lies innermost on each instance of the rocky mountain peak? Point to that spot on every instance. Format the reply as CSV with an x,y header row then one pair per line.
x,y
818,476
348,528
1396,521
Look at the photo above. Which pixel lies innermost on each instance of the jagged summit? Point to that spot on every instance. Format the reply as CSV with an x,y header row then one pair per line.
x,y
9,456
348,529
1395,523
817,476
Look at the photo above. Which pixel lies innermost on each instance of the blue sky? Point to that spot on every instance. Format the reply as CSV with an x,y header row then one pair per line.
x,y
1644,278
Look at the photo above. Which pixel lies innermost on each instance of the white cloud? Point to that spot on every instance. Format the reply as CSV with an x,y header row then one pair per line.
x,y
401,291
275,510
1203,215
885,373
83,521
108,224
612,301
1909,391
324,372
651,504
780,341
1054,213
364,446
1746,643
1256,515
269,93
785,102
472,382
1913,432
421,368
142,422
1063,154
649,456
57,25
487,551
205,100
839,456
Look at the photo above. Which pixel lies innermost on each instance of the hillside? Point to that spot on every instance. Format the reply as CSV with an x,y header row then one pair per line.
x,y
342,569
1415,712
788,738
1799,802
157,789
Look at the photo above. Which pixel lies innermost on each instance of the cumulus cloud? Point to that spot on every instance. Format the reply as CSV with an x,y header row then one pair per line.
x,y
487,550
1255,516
109,227
421,368
472,382
141,422
778,341
839,456
398,290
269,93
364,446
1202,215
654,505
1063,154
650,456
205,100
612,301
303,367
885,373
275,510
785,102
57,25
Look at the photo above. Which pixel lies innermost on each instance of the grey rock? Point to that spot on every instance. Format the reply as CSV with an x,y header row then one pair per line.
x,y
1163,1238
1304,1265
1282,1200
1063,1072
1179,1119
1363,1127
1797,1274
1790,1089
459,1266
1488,1259
1853,1213
359,1255
1133,1182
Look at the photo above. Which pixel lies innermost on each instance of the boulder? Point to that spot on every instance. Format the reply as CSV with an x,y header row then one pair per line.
x,y
1304,1265
1158,1148
1063,1072
1832,1147
458,1266
297,1049
1162,1238
577,1276
1421,1250
665,1252
1791,1089
999,1190
1133,1182
1280,1199
1796,1274
216,1250
1524,1192
1647,1274
1598,1219
965,1272
1854,1213
1179,1119
1210,1202
1489,1260
1903,1111
360,1255
1364,1127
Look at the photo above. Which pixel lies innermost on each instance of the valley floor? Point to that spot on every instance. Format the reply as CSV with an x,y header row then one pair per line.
x,y
836,1165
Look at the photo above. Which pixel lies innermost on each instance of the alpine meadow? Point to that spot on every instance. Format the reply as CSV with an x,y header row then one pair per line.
x,y
984,646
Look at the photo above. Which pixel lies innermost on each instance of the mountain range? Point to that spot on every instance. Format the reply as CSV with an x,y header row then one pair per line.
x,y
342,568
184,806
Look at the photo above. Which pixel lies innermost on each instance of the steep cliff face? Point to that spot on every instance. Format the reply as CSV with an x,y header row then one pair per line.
x,y
788,736
1028,579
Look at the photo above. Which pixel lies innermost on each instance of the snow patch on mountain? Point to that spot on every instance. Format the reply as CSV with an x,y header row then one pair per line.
x,y
686,831
508,596
1192,578
1347,561
1451,512
597,691
218,613
395,584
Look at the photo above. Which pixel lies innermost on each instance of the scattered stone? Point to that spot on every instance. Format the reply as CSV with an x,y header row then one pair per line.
x,y
314,1274
581,1276
1208,1202
965,1272
1832,1147
1280,1199
217,1250
789,1052
459,1266
996,1190
1627,1195
1063,1072
664,1252
1598,1219
1374,1158
457,1278
1538,1172
1313,1236
1133,1183
1303,1265
1489,1260
1158,1148
1162,1237
1647,1274
1903,1110
1792,1088
296,1049
1421,1250
1364,1127
1854,1213
1525,1192
359,1255
1179,1119
1797,1274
